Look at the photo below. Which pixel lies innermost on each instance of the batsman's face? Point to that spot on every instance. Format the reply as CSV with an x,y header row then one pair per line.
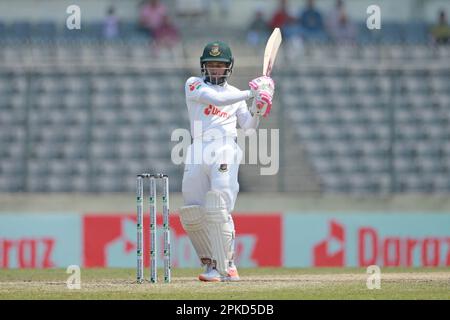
x,y
216,69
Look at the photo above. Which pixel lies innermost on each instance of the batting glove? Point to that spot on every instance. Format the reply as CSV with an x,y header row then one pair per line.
x,y
260,84
262,104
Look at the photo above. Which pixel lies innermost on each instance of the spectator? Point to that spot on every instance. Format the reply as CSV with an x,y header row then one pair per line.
x,y
283,20
441,31
151,15
311,23
258,29
167,34
166,39
340,28
111,24
345,32
333,17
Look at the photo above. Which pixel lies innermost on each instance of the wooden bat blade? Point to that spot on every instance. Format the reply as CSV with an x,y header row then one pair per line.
x,y
270,53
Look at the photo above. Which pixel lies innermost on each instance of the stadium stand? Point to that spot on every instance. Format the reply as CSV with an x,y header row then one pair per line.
x,y
78,113
370,130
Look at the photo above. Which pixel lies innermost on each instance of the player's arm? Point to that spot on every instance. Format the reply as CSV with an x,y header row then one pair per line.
x,y
197,90
245,119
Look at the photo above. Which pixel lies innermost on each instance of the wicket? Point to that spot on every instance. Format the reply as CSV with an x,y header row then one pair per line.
x,y
153,227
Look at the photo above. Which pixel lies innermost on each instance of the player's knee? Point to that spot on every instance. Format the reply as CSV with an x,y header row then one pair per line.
x,y
228,190
192,217
216,203
192,198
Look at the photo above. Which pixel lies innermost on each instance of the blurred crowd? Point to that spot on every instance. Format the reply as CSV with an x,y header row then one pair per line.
x,y
309,24
154,21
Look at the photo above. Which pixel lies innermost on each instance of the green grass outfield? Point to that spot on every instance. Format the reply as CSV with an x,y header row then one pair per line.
x,y
256,283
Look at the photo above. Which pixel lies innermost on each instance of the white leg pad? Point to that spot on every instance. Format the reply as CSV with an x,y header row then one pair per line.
x,y
221,231
193,219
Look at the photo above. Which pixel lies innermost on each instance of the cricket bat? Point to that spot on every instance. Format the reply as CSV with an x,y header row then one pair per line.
x,y
270,53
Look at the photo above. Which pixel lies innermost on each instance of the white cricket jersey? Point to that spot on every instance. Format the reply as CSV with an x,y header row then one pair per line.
x,y
217,107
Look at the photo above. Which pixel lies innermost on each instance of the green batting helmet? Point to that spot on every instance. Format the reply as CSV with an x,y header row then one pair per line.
x,y
217,51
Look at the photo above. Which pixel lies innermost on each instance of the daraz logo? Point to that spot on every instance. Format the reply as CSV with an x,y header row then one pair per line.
x,y
373,248
330,252
213,110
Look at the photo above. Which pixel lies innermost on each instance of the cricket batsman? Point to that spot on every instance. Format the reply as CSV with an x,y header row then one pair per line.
x,y
210,187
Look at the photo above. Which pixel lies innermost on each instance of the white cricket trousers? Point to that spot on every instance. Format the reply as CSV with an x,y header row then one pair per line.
x,y
211,166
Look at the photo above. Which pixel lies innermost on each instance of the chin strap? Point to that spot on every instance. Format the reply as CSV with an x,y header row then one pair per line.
x,y
224,78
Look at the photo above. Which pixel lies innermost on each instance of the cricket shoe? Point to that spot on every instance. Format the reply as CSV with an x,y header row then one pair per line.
x,y
214,276
208,268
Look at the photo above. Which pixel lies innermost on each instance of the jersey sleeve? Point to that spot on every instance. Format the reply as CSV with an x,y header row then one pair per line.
x,y
198,91
245,119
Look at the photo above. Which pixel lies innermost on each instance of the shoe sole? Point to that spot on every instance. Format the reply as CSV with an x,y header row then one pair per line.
x,y
224,279
208,279
231,279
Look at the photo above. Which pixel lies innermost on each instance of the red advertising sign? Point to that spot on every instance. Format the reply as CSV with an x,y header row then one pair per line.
x,y
110,240
323,255
27,252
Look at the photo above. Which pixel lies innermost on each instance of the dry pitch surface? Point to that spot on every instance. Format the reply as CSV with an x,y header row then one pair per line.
x,y
260,283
